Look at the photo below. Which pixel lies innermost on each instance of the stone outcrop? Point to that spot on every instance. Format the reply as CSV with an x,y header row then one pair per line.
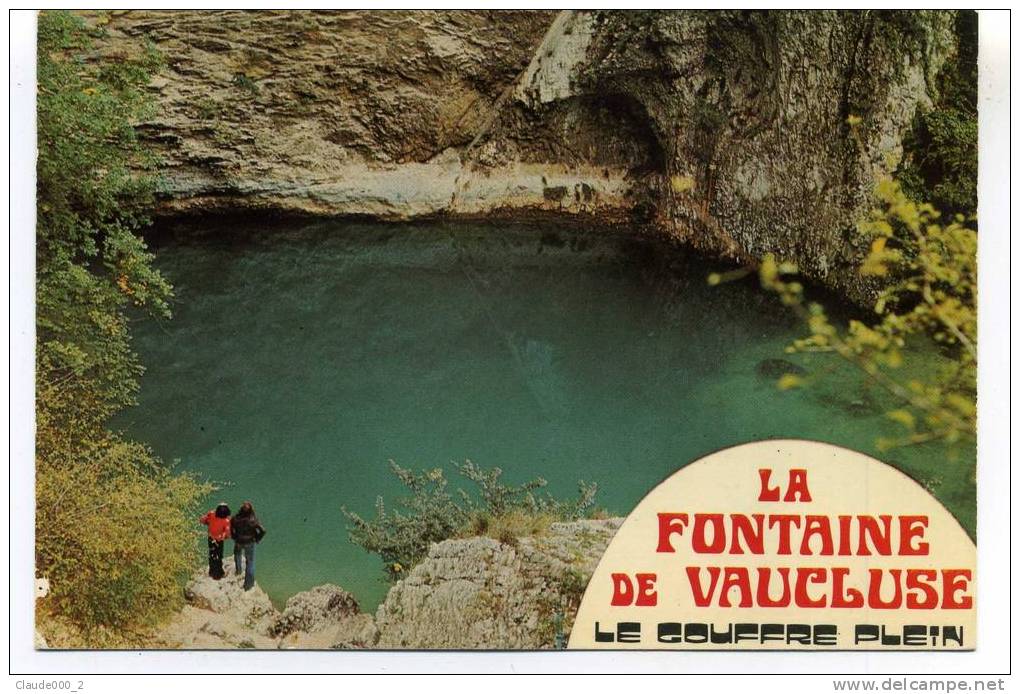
x,y
470,593
326,616
316,609
739,132
221,614
480,593
354,113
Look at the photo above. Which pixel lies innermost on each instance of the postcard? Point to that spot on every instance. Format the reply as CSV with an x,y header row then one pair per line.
x,y
506,330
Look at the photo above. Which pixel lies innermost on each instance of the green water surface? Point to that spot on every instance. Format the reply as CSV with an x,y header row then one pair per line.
x,y
302,358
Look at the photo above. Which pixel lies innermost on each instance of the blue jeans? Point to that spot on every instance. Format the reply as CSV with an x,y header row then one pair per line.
x,y
249,562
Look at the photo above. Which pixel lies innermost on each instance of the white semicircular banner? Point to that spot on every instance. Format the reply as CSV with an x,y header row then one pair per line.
x,y
784,544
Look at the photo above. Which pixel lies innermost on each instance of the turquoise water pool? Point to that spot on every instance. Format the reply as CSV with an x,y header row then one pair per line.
x,y
302,358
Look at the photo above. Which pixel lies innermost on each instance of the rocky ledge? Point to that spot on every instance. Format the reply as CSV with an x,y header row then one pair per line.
x,y
221,614
739,132
472,593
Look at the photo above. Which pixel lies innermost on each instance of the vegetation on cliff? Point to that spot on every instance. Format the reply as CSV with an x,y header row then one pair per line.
x,y
433,513
940,151
928,302
920,342
112,522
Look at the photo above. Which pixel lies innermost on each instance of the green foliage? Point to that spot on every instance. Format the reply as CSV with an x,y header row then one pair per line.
x,y
246,83
940,152
208,108
111,535
401,538
433,513
928,270
111,522
90,200
500,500
944,160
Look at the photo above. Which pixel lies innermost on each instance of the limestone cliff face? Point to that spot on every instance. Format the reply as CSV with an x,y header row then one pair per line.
x,y
728,130
752,114
358,113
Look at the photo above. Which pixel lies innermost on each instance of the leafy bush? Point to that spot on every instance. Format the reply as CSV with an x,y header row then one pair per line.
x,y
501,500
929,273
432,513
111,536
113,525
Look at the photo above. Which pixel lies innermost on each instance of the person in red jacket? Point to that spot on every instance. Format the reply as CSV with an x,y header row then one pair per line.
x,y
218,521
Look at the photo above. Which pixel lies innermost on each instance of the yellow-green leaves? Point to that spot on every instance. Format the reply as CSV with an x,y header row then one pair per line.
x,y
903,417
880,256
771,273
788,381
928,272
716,278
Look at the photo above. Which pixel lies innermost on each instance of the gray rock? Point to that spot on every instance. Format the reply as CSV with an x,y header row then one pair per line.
x,y
752,110
222,615
227,593
320,608
250,610
480,593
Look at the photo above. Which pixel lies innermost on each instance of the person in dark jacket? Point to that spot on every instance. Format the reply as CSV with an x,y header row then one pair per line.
x,y
218,521
247,532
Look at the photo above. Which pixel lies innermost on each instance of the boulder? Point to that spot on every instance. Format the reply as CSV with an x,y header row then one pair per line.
x,y
353,631
317,609
326,616
222,615
483,593
227,596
